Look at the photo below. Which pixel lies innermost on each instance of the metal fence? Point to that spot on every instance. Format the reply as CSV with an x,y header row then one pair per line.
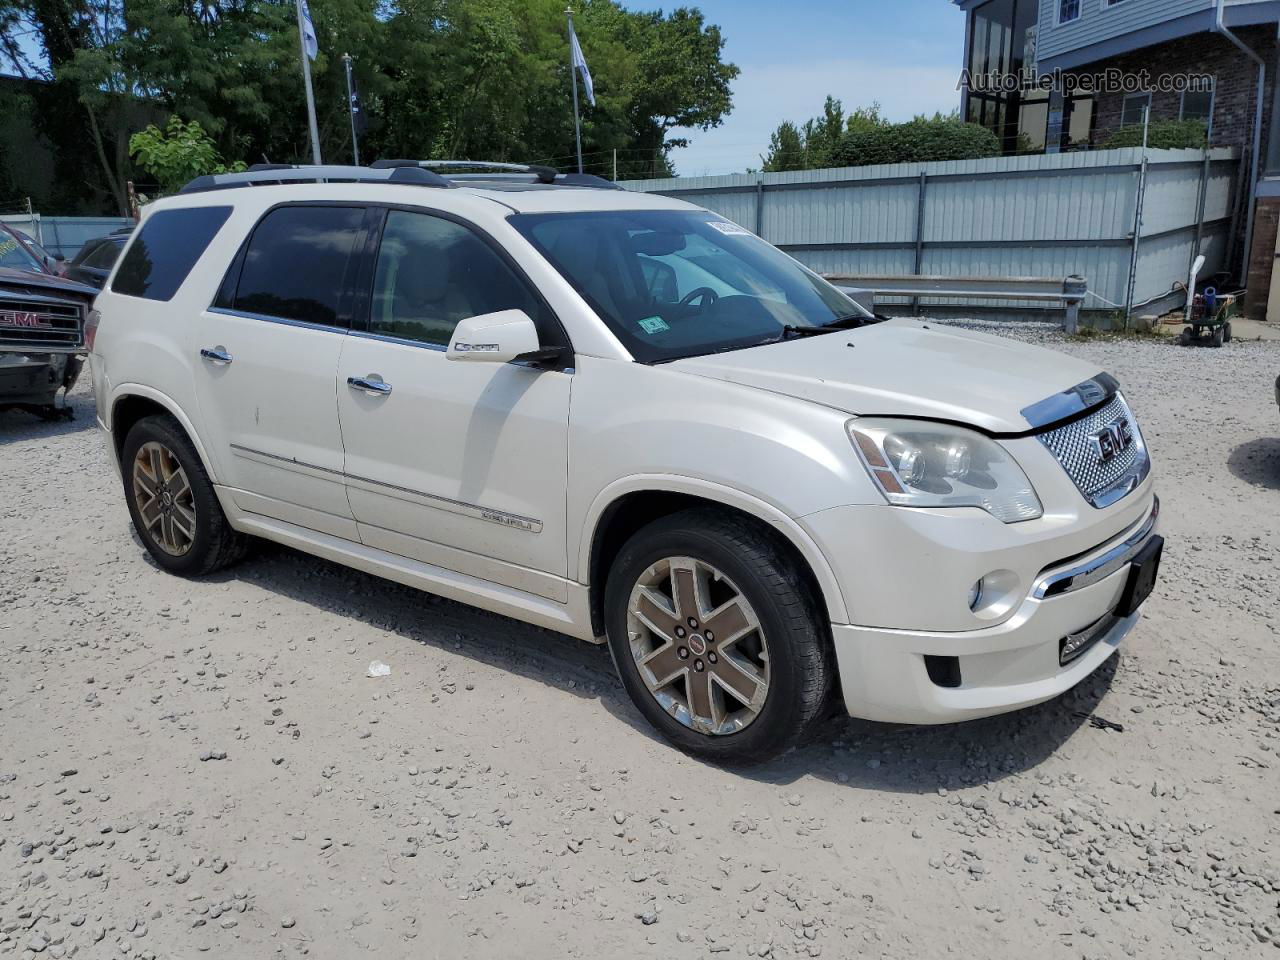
x,y
63,236
1035,216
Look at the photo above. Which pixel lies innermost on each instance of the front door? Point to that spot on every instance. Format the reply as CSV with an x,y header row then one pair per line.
x,y
457,464
269,350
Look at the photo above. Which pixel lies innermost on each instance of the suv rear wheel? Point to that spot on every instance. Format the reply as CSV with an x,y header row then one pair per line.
x,y
716,636
172,502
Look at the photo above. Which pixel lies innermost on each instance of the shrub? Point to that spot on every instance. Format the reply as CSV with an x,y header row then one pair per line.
x,y
178,153
921,140
1163,135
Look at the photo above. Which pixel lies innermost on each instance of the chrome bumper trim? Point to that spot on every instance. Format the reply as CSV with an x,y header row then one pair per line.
x,y
1077,576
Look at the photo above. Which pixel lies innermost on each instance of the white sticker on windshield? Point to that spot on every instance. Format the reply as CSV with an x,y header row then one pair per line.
x,y
652,325
729,229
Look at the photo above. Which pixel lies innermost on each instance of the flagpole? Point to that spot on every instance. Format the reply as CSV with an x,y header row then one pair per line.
x,y
355,147
306,79
573,79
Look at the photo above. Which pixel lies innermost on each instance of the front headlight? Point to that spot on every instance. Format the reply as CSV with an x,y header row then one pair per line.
x,y
920,464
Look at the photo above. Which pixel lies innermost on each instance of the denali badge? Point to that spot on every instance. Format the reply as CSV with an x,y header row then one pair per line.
x,y
1113,439
23,318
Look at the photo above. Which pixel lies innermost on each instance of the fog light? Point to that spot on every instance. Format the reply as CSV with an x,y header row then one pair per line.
x,y
975,595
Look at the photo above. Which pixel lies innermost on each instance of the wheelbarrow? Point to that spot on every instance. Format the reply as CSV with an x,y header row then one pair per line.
x,y
1210,319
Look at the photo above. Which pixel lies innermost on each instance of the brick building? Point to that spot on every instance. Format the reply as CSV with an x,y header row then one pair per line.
x,y
1161,46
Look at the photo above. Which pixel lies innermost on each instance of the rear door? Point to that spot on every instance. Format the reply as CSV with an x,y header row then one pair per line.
x,y
462,465
269,348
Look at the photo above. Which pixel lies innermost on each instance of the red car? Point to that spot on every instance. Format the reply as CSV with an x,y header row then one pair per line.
x,y
18,251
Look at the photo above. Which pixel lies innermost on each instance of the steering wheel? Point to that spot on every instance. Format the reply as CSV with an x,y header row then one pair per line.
x,y
706,294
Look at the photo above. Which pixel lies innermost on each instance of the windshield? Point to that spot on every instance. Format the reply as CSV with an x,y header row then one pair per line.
x,y
675,283
15,256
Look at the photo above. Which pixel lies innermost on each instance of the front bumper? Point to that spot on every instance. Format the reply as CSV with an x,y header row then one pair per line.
x,y
885,672
34,379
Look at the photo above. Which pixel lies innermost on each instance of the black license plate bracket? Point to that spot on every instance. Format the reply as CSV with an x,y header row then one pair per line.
x,y
1142,577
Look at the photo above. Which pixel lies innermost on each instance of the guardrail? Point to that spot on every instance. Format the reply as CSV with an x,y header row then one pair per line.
x,y
1069,292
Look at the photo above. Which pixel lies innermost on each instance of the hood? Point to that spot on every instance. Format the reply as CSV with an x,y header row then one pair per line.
x,y
905,368
43,283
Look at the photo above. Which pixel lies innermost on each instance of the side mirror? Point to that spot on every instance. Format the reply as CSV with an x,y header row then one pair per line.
x,y
494,337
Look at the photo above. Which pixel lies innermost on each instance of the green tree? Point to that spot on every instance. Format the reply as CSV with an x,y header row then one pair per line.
x,y
786,150
864,119
817,143
178,153
484,79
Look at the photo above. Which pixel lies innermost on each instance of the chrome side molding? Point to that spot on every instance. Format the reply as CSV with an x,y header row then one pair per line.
x,y
408,494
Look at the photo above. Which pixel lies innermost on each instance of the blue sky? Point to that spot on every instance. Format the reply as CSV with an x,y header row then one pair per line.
x,y
904,53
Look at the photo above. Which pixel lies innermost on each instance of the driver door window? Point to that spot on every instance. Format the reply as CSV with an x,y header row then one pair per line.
x,y
433,273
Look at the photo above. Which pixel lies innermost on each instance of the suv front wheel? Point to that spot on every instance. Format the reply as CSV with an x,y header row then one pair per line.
x,y
717,636
172,501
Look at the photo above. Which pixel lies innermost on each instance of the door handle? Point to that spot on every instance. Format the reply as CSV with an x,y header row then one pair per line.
x,y
217,355
370,386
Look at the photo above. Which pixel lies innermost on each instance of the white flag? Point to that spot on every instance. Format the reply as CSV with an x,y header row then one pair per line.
x,y
579,62
308,32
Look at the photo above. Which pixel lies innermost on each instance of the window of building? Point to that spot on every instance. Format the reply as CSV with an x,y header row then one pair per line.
x,y
1068,10
1197,106
1077,123
297,262
433,273
1136,106
1002,41
165,250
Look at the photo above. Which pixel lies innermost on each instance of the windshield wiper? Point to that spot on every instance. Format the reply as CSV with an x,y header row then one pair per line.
x,y
851,321
839,323
804,330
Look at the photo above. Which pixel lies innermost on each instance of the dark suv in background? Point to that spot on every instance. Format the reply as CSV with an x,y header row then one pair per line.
x,y
93,262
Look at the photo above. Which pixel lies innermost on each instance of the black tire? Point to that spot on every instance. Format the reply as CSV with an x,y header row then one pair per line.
x,y
1226,332
1186,336
1219,335
215,544
790,614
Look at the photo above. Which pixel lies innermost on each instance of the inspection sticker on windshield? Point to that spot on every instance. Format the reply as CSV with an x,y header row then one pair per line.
x,y
729,229
653,325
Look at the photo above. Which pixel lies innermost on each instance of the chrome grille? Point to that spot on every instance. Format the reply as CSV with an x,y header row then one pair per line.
x,y
40,324
1101,482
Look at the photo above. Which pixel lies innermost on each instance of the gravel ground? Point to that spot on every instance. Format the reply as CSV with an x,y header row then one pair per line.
x,y
205,766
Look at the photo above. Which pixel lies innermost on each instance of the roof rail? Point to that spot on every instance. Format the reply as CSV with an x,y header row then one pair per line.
x,y
544,174
261,174
587,180
541,174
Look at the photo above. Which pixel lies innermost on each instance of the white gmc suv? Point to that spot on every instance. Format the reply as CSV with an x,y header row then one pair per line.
x,y
627,419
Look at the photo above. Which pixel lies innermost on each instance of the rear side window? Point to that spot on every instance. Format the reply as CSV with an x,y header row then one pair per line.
x,y
104,256
295,266
165,250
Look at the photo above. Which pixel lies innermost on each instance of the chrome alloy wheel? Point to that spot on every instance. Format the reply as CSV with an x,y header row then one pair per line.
x,y
164,498
698,645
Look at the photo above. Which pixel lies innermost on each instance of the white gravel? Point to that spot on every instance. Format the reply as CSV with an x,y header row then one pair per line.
x,y
192,767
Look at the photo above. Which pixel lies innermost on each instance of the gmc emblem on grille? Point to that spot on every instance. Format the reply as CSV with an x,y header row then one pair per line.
x,y
24,319
1113,439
